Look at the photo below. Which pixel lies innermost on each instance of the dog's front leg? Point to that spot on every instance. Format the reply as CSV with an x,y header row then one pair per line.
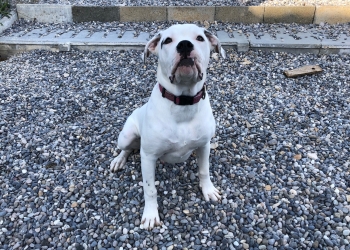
x,y
208,189
150,217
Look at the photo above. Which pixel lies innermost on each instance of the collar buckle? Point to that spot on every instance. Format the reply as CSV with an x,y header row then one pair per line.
x,y
184,100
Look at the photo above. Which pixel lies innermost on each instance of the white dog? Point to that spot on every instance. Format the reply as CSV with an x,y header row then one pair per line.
x,y
178,118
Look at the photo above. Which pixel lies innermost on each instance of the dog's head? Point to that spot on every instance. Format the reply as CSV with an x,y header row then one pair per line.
x,y
183,53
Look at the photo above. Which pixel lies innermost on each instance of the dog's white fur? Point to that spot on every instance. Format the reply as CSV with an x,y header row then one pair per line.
x,y
161,129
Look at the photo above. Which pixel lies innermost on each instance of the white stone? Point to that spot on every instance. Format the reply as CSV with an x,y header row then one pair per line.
x,y
346,232
347,218
312,156
57,223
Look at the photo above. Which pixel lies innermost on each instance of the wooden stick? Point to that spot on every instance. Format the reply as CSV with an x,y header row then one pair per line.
x,y
305,70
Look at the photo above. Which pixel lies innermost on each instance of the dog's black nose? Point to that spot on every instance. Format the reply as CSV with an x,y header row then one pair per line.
x,y
184,48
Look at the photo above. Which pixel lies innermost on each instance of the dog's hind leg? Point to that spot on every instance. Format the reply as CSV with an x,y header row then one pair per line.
x,y
128,140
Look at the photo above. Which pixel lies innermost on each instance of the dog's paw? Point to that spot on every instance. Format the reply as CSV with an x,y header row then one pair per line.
x,y
119,161
150,218
209,191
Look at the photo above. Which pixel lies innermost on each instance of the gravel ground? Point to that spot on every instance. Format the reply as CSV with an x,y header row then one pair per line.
x,y
192,2
280,155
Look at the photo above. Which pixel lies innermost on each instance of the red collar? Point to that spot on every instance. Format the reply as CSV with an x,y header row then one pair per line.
x,y
183,99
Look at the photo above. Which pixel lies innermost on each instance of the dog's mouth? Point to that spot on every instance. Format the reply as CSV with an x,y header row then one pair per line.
x,y
186,62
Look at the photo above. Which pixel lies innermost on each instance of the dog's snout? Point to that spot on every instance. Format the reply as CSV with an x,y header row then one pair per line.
x,y
184,47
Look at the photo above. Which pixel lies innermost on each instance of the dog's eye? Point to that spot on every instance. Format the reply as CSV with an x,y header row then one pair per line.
x,y
200,38
168,40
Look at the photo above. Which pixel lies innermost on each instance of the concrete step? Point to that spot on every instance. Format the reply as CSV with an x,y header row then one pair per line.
x,y
61,40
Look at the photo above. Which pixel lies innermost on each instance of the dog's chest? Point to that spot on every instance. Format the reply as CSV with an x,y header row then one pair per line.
x,y
179,141
172,132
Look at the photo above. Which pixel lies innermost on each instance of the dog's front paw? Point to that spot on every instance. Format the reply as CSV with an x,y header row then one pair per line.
x,y
119,161
150,217
209,191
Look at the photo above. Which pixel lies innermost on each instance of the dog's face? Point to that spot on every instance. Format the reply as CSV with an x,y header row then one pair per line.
x,y
183,52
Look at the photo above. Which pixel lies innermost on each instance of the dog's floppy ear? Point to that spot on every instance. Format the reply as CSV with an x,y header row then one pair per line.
x,y
215,43
151,46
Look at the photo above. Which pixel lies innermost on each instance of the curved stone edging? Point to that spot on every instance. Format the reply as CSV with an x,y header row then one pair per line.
x,y
244,14
6,22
